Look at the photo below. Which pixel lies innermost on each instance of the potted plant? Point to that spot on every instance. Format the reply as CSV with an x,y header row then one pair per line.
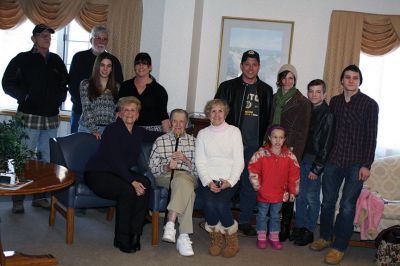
x,y
12,145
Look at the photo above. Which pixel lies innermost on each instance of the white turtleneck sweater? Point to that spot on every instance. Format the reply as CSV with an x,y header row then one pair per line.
x,y
219,154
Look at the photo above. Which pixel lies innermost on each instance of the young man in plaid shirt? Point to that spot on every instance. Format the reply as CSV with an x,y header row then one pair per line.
x,y
350,160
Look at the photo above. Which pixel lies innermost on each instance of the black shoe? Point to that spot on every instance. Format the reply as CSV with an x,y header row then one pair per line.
x,y
247,229
296,233
135,244
124,247
306,238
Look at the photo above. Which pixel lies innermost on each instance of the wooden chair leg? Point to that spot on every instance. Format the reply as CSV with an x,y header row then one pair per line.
x,y
362,243
21,259
70,225
110,213
52,216
155,217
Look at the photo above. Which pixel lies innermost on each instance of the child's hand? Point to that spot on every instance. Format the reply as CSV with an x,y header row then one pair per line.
x,y
254,181
285,196
292,197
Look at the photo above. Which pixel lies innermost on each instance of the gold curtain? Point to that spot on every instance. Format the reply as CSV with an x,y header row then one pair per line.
x,y
11,14
123,18
125,27
92,14
353,32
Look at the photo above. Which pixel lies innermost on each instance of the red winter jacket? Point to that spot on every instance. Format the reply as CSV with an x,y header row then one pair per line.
x,y
276,174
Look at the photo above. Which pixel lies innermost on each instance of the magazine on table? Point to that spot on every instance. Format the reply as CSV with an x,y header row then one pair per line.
x,y
11,182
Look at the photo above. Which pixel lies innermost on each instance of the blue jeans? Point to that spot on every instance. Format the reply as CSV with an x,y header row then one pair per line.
x,y
331,182
268,213
38,141
217,206
74,121
308,201
247,193
87,130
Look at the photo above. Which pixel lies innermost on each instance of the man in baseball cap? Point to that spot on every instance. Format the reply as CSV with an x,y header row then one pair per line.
x,y
250,102
40,28
37,80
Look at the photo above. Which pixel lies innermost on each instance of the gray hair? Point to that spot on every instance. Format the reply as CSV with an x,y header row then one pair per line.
x,y
98,29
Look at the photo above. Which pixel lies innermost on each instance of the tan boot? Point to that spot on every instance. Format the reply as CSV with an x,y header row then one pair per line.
x,y
216,239
232,241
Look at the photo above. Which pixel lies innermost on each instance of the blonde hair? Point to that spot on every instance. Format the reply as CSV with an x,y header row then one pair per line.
x,y
122,102
211,103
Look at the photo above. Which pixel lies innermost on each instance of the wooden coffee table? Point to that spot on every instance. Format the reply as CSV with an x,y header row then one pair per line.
x,y
47,177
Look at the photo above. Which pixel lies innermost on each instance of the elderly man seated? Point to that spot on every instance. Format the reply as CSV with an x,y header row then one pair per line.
x,y
172,163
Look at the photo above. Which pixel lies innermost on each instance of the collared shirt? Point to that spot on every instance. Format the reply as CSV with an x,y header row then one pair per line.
x,y
356,130
38,121
162,151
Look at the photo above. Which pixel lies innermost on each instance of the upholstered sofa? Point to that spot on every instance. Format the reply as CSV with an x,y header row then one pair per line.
x,y
385,179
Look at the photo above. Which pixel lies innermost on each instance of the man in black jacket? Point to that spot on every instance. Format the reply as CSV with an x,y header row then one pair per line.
x,y
250,102
318,146
81,68
37,79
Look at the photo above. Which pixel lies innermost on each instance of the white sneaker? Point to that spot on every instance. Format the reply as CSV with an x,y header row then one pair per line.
x,y
169,232
184,245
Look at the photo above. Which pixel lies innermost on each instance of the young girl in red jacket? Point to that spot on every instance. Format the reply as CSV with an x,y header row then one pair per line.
x,y
274,173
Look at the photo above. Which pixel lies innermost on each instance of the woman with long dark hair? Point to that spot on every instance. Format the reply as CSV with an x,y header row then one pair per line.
x,y
98,97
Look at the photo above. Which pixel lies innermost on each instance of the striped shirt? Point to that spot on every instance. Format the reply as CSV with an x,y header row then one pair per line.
x,y
356,130
162,151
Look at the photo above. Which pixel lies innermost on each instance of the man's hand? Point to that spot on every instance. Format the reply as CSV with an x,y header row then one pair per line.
x,y
179,156
312,176
363,174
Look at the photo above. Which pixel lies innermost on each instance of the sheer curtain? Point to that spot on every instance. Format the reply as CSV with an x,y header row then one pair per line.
x,y
379,73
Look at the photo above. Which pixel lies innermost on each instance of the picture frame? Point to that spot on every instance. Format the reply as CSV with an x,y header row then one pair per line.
x,y
272,39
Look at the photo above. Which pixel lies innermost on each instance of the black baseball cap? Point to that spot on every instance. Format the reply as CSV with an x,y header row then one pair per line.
x,y
251,54
42,27
142,58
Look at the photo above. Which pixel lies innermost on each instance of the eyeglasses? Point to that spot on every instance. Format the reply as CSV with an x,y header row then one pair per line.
x,y
97,38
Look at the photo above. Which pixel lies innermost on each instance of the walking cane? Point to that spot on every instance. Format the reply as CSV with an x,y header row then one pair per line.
x,y
172,176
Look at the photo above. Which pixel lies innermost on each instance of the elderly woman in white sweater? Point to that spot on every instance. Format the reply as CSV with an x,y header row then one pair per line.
x,y
219,162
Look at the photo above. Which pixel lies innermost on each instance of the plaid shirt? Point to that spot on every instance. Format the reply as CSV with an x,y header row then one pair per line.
x,y
162,151
38,121
356,130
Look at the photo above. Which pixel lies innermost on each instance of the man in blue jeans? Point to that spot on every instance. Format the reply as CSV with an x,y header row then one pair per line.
x,y
250,103
37,79
350,160
318,146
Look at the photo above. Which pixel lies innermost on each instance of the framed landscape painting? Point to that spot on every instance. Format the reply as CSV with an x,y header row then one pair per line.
x,y
271,39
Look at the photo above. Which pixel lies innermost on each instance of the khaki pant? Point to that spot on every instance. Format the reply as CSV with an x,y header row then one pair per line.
x,y
182,197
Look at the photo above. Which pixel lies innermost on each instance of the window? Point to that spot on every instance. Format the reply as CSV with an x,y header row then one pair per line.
x,y
65,42
380,83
